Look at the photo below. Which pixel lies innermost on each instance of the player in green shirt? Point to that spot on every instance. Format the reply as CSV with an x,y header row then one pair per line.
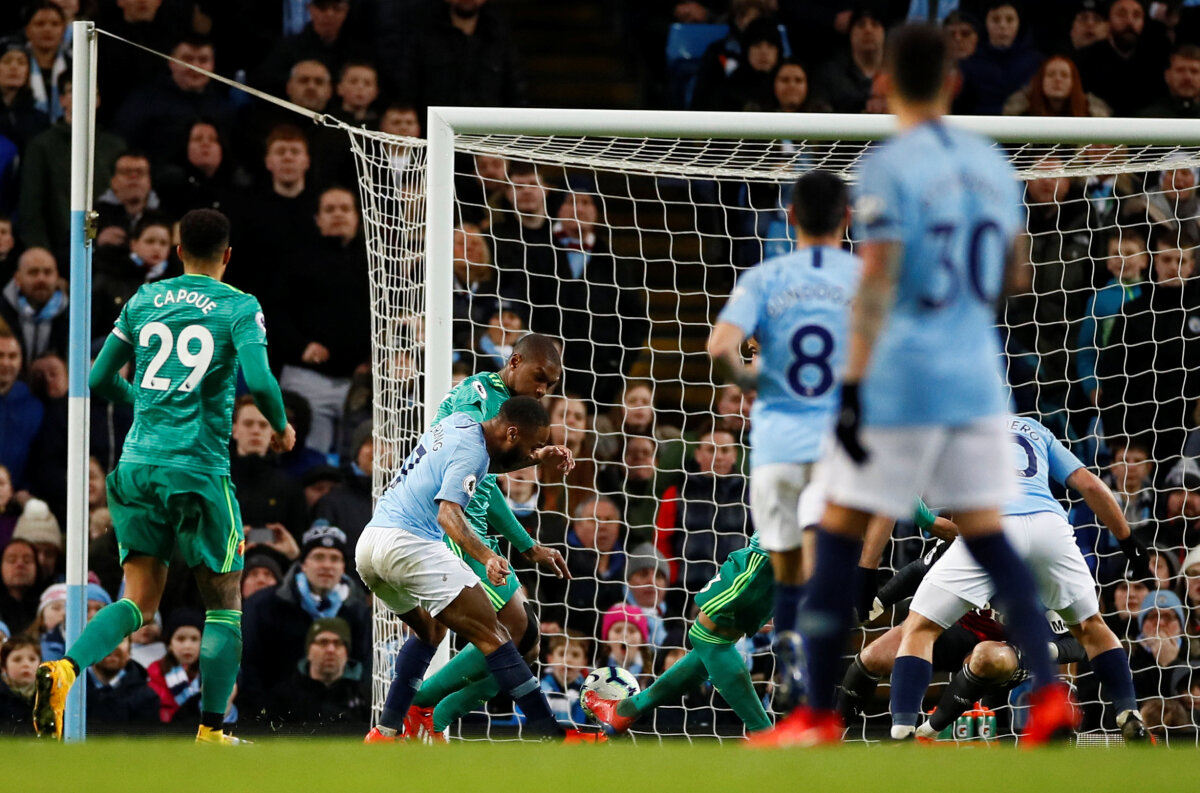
x,y
533,370
186,337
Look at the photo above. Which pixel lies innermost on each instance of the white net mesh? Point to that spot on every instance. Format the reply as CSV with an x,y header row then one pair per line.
x,y
626,250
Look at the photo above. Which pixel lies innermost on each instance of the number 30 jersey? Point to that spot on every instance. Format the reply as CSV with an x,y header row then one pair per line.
x,y
953,204
1038,457
797,307
186,333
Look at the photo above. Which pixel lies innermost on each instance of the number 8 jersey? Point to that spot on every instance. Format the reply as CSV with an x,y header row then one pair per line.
x,y
797,307
186,333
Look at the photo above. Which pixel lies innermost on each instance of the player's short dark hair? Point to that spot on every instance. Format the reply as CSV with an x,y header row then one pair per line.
x,y
525,412
204,234
918,61
819,199
537,347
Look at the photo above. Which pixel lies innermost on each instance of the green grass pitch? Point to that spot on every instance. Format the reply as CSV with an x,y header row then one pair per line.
x,y
299,765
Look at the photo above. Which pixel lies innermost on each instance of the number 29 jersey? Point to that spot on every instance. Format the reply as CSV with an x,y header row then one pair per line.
x,y
954,205
797,307
186,333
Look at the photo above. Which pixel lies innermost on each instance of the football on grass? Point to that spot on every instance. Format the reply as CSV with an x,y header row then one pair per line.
x,y
609,682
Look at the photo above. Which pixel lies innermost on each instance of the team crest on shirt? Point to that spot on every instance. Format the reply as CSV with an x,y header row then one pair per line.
x,y
868,208
469,485
479,389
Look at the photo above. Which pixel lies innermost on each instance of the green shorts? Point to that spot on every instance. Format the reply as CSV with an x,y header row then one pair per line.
x,y
153,508
742,597
498,595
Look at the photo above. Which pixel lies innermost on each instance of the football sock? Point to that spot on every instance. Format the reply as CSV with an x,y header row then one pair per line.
x,y
1112,669
466,667
411,663
910,679
687,674
513,675
965,690
825,619
789,653
1017,599
858,684
459,703
220,659
728,673
104,632
787,606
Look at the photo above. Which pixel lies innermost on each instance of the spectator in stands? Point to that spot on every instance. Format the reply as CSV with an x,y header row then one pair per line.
x,y
301,459
595,556
310,85
1125,600
10,509
570,426
175,677
1056,90
349,504
262,570
1000,66
205,178
269,497
20,119
44,207
45,26
522,238
400,118
845,81
632,482
1088,26
751,86
494,344
647,582
1127,260
10,251
567,662
1174,203
706,518
1125,68
1189,595
626,637
520,489
20,411
793,91
1180,526
1164,566
118,692
633,415
19,660
129,197
1159,660
1183,86
358,90
277,620
158,114
328,689
962,31
1147,374
332,280
484,189
724,56
1130,476
324,39
38,527
20,587
460,53
47,626
146,645
590,299
474,299
154,24
33,305
119,272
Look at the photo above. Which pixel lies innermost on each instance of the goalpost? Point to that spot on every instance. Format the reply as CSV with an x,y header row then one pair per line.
x,y
682,200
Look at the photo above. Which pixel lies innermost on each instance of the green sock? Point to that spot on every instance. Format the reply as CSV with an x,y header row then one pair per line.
x,y
730,677
686,674
463,669
459,703
220,658
105,631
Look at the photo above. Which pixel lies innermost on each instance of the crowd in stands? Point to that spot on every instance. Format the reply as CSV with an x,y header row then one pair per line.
x,y
1101,337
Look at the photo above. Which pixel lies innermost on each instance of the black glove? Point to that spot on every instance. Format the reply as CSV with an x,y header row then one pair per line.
x,y
868,588
1138,562
848,422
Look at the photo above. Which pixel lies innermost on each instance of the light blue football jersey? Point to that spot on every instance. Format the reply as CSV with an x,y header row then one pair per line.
x,y
447,464
1038,457
797,307
954,204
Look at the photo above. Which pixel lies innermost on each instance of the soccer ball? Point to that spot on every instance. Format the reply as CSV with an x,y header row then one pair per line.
x,y
609,682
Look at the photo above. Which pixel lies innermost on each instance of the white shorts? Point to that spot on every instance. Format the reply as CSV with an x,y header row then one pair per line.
x,y
775,503
957,468
956,583
406,571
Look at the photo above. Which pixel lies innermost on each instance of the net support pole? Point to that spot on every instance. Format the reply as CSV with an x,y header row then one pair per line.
x,y
83,119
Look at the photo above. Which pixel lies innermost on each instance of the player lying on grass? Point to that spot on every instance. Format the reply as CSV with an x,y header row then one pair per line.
x,y
463,684
1037,526
402,558
186,337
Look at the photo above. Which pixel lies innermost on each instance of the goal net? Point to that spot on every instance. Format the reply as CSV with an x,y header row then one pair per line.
x,y
626,247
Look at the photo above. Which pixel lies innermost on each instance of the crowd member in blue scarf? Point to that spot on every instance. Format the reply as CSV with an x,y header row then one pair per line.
x,y
34,306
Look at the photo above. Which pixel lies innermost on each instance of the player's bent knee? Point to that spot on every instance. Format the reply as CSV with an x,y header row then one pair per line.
x,y
219,590
993,661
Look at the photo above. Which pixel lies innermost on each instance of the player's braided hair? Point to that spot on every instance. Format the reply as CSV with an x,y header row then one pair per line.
x,y
525,412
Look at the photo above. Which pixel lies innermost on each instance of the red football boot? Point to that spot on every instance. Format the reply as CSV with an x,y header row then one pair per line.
x,y
1052,716
605,712
573,736
375,736
418,726
802,727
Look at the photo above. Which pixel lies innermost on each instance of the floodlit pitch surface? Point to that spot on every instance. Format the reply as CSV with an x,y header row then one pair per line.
x,y
299,765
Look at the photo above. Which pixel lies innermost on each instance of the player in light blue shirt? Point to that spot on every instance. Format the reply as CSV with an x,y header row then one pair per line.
x,y
937,210
796,307
1038,458
402,559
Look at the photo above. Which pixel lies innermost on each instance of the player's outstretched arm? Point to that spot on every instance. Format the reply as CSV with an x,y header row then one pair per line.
x,y
454,523
105,378
265,389
725,349
1108,510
